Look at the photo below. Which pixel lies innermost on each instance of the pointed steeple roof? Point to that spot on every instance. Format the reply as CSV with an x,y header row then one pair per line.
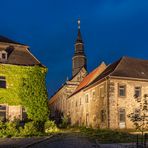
x,y
79,36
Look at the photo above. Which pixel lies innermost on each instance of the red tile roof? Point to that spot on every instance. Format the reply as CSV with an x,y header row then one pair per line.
x,y
90,77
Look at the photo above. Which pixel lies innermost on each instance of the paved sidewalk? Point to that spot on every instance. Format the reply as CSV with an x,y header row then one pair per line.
x,y
20,142
118,145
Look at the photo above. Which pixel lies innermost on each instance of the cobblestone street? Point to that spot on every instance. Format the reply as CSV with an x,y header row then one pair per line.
x,y
63,140
66,141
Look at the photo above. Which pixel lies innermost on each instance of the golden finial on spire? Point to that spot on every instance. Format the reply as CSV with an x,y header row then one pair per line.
x,y
78,23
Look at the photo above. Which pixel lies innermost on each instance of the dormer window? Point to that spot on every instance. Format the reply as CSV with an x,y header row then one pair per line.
x,y
3,56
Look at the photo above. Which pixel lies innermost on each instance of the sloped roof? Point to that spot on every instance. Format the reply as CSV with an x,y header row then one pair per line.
x,y
90,77
7,40
126,67
18,56
71,79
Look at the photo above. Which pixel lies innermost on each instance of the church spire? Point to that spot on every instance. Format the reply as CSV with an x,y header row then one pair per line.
x,y
79,58
79,37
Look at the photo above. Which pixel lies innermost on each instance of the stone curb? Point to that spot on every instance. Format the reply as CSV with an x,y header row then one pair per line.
x,y
39,141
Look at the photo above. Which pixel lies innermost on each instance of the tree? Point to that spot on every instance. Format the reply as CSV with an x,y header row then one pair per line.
x,y
140,116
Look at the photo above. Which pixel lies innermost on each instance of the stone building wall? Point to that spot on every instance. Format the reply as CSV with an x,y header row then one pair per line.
x,y
106,100
58,102
87,112
128,102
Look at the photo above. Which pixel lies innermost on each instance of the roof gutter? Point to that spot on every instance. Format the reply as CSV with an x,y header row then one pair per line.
x,y
128,78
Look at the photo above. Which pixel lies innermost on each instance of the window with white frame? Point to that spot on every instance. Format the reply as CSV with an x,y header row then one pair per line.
x,y
122,90
137,92
122,115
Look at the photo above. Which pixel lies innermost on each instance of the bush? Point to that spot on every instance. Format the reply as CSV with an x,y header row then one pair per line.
x,y
30,129
2,125
8,129
11,129
50,127
64,123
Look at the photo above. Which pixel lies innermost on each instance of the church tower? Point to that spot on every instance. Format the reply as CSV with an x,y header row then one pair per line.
x,y
79,59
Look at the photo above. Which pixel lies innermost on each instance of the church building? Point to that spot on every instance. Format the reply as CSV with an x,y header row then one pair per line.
x,y
58,102
104,97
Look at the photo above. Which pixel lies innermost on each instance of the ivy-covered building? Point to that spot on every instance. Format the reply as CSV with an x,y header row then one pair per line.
x,y
22,83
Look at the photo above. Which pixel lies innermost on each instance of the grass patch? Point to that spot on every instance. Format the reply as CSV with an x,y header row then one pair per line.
x,y
108,135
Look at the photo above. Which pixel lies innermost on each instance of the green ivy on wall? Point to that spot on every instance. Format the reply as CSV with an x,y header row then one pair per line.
x,y
26,86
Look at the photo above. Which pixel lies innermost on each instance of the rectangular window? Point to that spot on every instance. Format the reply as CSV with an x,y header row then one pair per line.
x,y
137,93
101,92
2,82
87,119
93,94
122,115
3,112
86,98
103,115
80,101
122,91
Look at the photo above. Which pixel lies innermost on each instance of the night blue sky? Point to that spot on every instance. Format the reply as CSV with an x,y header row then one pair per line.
x,y
110,29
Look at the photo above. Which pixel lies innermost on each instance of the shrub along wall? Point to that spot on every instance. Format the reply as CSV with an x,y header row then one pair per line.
x,y
26,86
